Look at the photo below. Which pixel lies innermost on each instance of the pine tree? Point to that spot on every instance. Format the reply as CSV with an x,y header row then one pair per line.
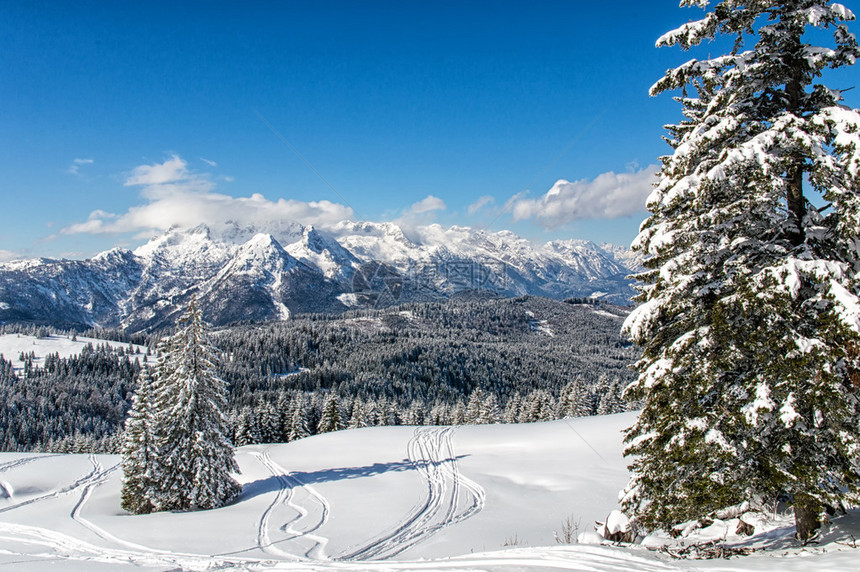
x,y
139,452
370,414
283,411
483,408
538,406
269,422
330,419
439,415
388,415
245,432
513,408
458,413
195,453
358,418
415,414
749,314
490,410
298,427
612,400
475,406
572,401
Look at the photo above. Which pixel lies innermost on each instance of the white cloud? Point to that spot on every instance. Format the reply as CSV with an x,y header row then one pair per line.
x,y
75,167
175,196
610,195
480,203
7,255
96,223
420,214
165,179
209,162
428,204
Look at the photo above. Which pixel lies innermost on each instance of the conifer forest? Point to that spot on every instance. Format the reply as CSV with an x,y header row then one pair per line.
x,y
457,362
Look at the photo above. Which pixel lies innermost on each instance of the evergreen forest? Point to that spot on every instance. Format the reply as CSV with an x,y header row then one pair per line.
x,y
461,361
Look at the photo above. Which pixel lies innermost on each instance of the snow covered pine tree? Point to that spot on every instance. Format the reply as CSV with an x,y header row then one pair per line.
x,y
139,450
750,321
330,419
194,459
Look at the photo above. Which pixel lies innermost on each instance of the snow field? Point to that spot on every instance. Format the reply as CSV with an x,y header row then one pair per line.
x,y
373,494
12,345
381,498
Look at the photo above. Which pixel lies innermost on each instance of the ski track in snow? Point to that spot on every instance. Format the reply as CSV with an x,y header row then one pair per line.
x,y
72,548
64,547
68,547
583,558
101,475
451,496
23,461
6,489
320,508
97,475
263,540
314,511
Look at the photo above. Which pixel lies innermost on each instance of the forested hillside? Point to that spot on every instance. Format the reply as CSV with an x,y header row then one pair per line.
x,y
462,361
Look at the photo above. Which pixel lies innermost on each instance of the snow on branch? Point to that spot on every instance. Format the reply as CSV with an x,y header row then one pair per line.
x,y
844,125
821,16
683,74
691,33
831,278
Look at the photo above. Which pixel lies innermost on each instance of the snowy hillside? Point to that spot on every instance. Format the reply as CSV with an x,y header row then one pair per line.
x,y
271,272
13,345
396,498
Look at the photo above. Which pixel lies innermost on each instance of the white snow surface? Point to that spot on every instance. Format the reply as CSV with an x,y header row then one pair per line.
x,y
543,327
377,499
13,345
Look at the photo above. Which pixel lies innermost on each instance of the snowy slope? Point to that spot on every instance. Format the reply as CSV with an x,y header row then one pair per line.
x,y
13,345
392,498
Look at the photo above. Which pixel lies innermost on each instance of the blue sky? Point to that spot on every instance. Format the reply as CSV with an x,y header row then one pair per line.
x,y
120,119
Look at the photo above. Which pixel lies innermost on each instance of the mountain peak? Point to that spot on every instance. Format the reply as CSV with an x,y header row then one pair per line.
x,y
250,272
263,249
313,240
263,240
113,256
201,229
284,231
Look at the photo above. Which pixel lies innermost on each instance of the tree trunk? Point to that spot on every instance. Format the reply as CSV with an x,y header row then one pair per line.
x,y
795,200
807,520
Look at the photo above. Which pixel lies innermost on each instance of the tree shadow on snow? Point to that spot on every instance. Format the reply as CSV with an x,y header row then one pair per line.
x,y
276,482
843,529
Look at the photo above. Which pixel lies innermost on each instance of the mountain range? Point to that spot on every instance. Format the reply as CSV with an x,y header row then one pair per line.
x,y
273,271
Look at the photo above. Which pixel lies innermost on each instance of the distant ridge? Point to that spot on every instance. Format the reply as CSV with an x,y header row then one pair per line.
x,y
271,272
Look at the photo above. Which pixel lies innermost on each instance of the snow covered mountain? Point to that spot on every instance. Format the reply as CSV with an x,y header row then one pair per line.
x,y
265,273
